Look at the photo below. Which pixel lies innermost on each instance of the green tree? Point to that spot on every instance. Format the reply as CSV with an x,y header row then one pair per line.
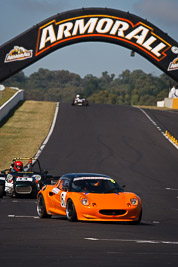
x,y
128,88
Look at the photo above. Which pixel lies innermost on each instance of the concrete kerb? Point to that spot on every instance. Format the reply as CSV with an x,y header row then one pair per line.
x,y
49,133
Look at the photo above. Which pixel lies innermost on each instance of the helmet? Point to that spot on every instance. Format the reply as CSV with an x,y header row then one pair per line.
x,y
78,96
18,166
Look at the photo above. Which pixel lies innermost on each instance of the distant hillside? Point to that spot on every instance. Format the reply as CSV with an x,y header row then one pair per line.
x,y
129,88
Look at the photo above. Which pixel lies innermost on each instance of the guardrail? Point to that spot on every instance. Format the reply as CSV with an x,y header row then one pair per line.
x,y
11,103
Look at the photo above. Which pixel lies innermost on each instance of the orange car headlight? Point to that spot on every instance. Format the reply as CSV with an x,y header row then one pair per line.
x,y
85,201
134,201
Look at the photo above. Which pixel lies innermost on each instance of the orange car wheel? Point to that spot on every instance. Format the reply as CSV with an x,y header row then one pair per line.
x,y
70,211
41,208
139,219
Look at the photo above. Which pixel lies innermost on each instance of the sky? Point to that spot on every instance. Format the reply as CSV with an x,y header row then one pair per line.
x,y
17,16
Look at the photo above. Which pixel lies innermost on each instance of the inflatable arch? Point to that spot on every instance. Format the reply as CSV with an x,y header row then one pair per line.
x,y
90,24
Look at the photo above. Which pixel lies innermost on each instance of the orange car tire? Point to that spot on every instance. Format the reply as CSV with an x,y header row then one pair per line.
x,y
70,211
41,207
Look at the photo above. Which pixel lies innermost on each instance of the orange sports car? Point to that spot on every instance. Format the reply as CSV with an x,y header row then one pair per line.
x,y
88,197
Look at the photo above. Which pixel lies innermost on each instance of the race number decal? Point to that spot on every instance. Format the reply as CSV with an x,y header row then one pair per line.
x,y
63,197
55,190
24,179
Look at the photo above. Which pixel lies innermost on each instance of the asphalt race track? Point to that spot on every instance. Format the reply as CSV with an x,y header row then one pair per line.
x,y
123,143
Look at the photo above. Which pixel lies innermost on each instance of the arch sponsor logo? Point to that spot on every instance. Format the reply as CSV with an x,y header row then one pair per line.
x,y
18,53
174,64
123,30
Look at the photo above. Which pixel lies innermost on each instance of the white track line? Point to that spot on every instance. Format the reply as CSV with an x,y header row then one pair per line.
x,y
138,241
173,189
22,216
159,129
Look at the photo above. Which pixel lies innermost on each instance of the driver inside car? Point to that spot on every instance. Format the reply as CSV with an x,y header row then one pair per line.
x,y
18,166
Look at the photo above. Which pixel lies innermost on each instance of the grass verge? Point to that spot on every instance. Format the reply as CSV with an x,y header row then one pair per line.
x,y
6,95
23,133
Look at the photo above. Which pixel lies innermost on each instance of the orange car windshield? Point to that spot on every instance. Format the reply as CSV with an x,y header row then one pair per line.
x,y
97,185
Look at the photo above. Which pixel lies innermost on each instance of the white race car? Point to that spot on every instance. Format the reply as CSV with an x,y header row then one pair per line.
x,y
78,101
